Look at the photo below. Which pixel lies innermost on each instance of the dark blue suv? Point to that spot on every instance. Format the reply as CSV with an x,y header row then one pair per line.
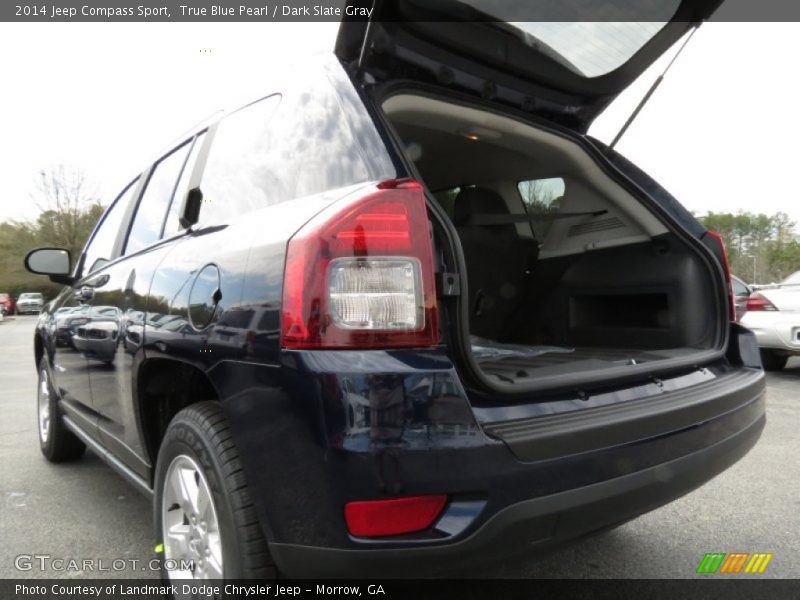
x,y
402,314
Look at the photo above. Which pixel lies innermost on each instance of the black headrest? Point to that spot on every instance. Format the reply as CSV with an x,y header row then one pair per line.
x,y
475,200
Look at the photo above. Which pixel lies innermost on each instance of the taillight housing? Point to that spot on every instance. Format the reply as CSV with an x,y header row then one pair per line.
x,y
361,274
759,302
726,268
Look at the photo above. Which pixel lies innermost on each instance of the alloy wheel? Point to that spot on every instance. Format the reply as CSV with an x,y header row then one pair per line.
x,y
190,528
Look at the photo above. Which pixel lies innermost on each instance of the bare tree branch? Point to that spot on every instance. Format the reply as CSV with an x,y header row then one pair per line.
x,y
63,200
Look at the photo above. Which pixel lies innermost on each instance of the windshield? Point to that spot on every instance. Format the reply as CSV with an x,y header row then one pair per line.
x,y
30,297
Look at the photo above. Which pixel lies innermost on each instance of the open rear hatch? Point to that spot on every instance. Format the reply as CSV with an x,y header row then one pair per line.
x,y
531,55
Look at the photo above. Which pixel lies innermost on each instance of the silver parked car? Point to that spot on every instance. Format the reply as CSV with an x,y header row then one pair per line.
x,y
773,314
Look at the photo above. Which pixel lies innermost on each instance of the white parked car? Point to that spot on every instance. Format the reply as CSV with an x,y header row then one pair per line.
x,y
29,302
773,314
98,337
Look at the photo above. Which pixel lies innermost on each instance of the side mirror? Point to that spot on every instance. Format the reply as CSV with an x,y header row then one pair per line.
x,y
53,262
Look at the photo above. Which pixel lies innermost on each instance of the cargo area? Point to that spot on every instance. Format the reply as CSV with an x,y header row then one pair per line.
x,y
569,275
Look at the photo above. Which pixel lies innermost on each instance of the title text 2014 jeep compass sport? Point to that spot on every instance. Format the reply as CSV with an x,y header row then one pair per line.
x,y
402,314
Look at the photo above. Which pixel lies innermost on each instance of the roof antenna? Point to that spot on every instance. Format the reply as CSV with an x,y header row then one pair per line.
x,y
652,89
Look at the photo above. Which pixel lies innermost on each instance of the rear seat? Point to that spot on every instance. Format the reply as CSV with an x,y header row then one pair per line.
x,y
497,261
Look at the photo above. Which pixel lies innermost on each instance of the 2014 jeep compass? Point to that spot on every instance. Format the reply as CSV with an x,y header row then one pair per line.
x,y
402,314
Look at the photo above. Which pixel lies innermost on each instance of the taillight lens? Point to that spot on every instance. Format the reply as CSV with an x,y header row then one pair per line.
x,y
759,302
726,268
361,275
394,516
379,293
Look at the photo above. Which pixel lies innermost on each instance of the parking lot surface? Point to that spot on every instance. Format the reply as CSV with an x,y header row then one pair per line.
x,y
85,510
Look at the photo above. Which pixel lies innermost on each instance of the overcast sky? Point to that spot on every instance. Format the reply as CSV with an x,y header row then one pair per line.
x,y
720,133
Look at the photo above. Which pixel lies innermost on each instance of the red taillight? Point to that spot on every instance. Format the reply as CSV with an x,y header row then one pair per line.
x,y
361,275
385,226
726,268
378,518
756,302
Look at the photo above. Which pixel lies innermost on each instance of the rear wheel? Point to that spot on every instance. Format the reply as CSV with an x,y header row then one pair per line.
x,y
203,512
58,444
773,361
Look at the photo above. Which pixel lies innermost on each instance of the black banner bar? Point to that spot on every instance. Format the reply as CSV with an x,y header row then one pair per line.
x,y
337,10
715,587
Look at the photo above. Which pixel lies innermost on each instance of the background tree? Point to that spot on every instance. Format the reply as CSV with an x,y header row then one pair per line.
x,y
762,248
69,212
68,209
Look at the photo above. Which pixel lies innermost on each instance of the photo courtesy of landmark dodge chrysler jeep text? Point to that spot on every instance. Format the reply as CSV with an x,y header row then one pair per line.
x,y
401,314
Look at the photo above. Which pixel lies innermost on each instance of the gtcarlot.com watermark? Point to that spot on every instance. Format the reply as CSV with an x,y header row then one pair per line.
x,y
56,564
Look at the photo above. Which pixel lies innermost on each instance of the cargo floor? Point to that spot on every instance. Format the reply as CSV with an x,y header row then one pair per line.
x,y
514,368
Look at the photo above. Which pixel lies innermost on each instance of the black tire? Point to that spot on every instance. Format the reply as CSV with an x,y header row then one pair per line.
x,y
57,443
773,361
202,433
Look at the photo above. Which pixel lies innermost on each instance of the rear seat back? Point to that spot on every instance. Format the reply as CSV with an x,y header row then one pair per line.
x,y
497,258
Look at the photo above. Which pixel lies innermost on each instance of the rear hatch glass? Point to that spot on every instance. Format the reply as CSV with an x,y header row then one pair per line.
x,y
536,56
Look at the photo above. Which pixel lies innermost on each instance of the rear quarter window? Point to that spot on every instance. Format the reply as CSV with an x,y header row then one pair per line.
x,y
282,147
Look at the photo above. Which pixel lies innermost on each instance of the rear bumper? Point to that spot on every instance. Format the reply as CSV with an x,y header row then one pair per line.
x,y
28,308
535,524
326,428
777,330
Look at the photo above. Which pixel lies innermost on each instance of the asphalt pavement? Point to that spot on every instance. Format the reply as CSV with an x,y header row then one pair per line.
x,y
84,510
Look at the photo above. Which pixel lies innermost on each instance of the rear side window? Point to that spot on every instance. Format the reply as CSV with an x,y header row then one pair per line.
x,y
152,209
541,197
100,250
